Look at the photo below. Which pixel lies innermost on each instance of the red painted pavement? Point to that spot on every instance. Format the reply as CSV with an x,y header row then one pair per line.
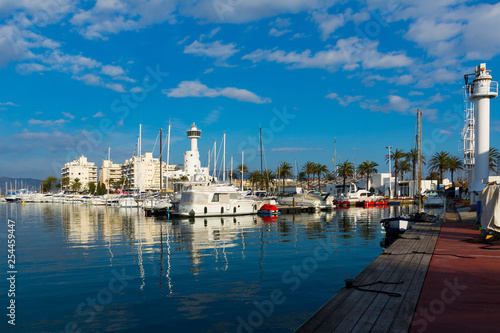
x,y
459,294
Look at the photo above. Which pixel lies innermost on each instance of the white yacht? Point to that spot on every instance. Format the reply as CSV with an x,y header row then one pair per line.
x,y
308,200
214,200
433,198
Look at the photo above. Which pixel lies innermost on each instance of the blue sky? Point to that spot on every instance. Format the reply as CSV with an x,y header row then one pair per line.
x,y
79,76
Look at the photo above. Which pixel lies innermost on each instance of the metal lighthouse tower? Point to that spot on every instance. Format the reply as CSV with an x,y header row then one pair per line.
x,y
479,92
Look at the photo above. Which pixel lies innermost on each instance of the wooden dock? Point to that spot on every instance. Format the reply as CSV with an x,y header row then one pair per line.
x,y
354,310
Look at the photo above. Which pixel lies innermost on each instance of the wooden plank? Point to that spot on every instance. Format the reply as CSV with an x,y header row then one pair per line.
x,y
354,305
353,310
383,308
320,316
387,315
404,317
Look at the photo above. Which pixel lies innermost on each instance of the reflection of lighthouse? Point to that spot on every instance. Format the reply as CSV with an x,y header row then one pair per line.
x,y
483,89
192,166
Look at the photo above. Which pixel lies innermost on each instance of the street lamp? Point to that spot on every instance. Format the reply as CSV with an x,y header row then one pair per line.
x,y
390,174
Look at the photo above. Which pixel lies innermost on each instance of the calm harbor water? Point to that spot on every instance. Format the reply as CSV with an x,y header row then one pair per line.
x,y
98,269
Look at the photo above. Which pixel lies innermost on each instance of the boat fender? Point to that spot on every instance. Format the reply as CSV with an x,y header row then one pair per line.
x,y
191,212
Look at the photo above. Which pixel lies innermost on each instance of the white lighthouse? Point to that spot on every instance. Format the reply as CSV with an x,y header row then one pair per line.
x,y
482,90
192,165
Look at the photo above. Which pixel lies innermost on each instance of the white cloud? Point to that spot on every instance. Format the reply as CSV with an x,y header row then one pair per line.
x,y
446,132
16,124
281,22
113,16
328,23
99,115
197,89
415,93
68,115
345,100
395,103
112,70
214,50
212,117
8,104
243,11
115,86
350,53
276,33
47,123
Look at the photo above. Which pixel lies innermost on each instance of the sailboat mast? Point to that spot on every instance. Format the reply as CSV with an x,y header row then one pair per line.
x,y
419,158
161,166
261,151
242,168
140,157
224,161
168,155
215,159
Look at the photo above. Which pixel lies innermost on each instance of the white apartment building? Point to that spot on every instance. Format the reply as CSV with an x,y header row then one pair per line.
x,y
82,169
109,172
143,172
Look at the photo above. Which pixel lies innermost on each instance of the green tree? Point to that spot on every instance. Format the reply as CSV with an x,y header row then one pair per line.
x,y
48,183
92,188
494,155
284,170
330,176
345,170
367,168
320,169
404,166
439,162
397,156
268,176
75,185
254,177
412,155
454,164
308,168
65,182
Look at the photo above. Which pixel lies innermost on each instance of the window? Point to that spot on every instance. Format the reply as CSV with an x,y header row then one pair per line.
x,y
215,198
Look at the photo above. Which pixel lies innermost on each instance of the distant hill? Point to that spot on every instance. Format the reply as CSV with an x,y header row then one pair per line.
x,y
28,183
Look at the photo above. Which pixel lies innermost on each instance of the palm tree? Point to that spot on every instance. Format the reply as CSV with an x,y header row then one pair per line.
x,y
345,170
330,176
308,168
396,157
268,176
49,183
367,168
64,182
254,177
320,169
454,164
413,157
439,162
92,188
242,168
284,170
494,155
404,166
76,184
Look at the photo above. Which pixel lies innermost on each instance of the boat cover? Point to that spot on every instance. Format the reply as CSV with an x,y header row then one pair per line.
x,y
490,200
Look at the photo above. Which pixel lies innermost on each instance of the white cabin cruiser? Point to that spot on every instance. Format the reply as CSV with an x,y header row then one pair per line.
x,y
214,200
308,200
433,198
